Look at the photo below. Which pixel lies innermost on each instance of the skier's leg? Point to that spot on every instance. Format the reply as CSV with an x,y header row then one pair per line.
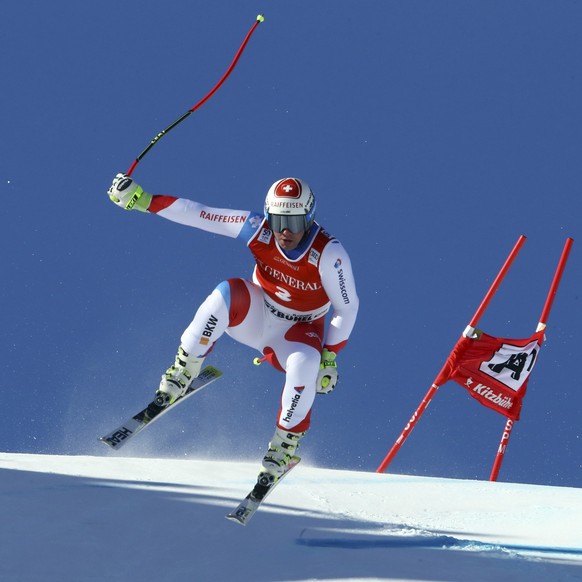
x,y
301,369
235,306
227,306
299,353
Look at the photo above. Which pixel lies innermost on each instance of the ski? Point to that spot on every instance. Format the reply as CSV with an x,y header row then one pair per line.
x,y
263,488
133,426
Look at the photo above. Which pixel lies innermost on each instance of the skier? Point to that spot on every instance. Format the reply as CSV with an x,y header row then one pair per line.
x,y
300,273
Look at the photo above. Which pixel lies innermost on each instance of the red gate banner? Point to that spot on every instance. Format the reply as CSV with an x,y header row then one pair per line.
x,y
494,371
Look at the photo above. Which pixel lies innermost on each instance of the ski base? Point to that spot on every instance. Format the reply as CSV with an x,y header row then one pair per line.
x,y
133,426
263,488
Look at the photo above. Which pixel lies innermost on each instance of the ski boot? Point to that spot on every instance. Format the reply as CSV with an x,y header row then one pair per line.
x,y
281,453
177,379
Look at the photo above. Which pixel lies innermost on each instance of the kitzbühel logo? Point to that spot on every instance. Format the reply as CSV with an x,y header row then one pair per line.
x,y
489,394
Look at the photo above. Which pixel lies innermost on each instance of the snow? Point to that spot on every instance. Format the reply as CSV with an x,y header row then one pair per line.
x,y
112,518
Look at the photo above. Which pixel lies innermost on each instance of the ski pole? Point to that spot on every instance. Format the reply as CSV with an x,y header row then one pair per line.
x,y
260,18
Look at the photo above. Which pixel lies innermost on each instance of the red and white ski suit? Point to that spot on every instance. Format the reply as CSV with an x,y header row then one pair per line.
x,y
281,312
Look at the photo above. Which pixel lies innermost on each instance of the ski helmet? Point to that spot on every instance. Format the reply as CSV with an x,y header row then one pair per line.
x,y
290,203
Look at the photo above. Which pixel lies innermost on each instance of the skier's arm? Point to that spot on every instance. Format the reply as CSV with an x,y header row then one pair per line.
x,y
338,281
222,221
233,223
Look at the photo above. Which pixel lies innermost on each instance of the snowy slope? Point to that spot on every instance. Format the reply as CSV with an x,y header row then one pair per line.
x,y
79,518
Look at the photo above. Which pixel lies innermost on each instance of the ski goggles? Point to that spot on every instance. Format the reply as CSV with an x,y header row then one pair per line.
x,y
296,223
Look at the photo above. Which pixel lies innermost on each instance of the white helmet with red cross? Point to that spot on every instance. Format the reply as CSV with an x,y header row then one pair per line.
x,y
290,203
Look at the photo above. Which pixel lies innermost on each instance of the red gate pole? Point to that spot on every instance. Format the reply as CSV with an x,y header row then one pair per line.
x,y
495,285
555,283
443,376
503,444
408,428
501,450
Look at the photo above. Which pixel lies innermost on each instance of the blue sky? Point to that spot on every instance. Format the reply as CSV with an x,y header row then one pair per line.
x,y
433,134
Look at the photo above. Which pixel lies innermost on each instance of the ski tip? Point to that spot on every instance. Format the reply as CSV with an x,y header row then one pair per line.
x,y
108,442
210,371
235,518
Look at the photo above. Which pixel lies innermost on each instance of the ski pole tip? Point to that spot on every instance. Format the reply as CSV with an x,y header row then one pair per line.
x,y
260,18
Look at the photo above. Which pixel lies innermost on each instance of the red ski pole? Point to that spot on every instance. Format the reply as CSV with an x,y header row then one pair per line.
x,y
154,141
